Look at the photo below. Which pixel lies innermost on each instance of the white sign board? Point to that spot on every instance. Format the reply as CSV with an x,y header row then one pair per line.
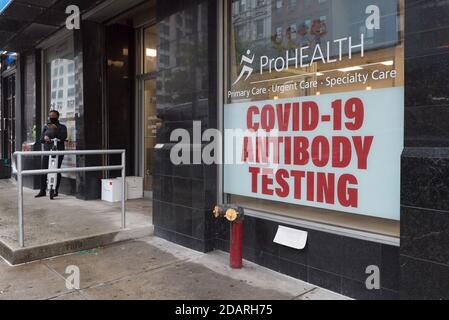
x,y
340,151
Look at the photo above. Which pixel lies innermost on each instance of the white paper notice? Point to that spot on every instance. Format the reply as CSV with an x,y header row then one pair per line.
x,y
292,238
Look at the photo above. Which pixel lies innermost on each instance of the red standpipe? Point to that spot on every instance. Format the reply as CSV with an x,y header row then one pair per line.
x,y
235,250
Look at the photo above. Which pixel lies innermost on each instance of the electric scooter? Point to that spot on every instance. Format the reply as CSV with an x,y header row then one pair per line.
x,y
52,178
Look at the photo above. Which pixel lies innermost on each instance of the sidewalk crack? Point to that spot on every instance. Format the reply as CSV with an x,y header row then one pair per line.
x,y
304,293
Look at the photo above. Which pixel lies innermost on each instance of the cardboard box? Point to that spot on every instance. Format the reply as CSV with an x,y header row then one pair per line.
x,y
134,188
111,190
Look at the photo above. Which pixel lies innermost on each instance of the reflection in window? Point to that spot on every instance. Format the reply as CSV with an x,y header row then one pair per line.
x,y
291,4
61,90
279,4
150,51
301,30
29,115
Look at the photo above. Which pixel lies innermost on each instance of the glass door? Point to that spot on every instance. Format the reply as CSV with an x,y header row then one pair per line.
x,y
148,110
151,124
8,117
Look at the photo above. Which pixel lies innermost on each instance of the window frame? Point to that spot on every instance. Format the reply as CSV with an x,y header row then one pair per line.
x,y
224,23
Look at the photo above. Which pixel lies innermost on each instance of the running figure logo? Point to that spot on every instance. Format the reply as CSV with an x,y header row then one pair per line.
x,y
245,69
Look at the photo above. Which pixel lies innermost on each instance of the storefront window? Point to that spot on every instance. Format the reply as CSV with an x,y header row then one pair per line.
x,y
151,124
61,90
317,88
150,49
152,52
29,114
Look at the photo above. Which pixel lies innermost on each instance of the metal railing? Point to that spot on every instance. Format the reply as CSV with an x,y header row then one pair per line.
x,y
21,173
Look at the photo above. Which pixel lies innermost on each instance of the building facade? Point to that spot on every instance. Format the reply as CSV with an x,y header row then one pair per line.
x,y
331,115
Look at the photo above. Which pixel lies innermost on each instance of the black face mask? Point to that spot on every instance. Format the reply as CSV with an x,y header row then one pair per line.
x,y
54,120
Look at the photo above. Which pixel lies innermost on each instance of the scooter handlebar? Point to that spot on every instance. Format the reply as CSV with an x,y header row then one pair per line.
x,y
55,142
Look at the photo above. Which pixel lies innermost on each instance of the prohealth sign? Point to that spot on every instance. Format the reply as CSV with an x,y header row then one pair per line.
x,y
4,4
339,152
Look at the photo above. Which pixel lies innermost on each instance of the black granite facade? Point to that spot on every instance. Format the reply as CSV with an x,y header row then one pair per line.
x,y
330,261
88,86
186,91
426,69
120,111
425,224
425,165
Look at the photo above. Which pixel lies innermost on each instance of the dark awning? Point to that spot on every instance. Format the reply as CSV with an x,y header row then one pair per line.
x,y
25,23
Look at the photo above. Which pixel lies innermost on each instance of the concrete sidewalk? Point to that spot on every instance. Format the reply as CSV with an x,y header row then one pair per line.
x,y
64,218
151,268
66,224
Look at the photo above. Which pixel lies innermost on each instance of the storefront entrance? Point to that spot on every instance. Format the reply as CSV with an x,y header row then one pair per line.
x,y
130,108
8,116
147,91
150,125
